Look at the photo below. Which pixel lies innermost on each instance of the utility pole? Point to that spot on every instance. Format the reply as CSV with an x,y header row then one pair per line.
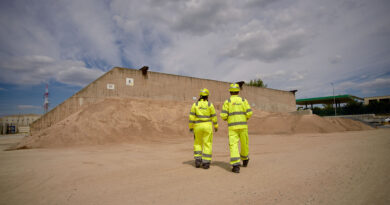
x,y
334,101
46,101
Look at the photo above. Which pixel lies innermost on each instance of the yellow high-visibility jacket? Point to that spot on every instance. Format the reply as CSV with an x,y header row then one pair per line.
x,y
236,110
201,112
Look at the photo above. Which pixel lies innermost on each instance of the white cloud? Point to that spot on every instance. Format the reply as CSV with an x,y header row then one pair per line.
x,y
377,83
95,30
335,59
367,87
289,44
282,75
371,84
268,46
66,30
78,75
202,17
32,70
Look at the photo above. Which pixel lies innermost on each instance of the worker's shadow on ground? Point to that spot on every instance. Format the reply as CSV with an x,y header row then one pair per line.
x,y
224,165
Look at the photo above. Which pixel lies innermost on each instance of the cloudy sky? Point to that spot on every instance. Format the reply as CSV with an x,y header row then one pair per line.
x,y
290,44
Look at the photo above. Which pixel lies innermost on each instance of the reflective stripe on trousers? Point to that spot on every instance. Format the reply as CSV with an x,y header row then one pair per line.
x,y
197,154
206,155
234,159
244,157
237,123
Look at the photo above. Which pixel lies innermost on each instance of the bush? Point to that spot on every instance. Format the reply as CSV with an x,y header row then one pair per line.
x,y
257,83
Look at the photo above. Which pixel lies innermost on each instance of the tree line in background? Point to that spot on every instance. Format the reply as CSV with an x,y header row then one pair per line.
x,y
354,108
257,83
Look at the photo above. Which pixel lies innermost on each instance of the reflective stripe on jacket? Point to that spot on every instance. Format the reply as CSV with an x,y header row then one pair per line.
x,y
236,111
202,111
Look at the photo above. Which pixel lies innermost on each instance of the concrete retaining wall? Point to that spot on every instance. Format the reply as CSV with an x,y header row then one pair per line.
x,y
156,85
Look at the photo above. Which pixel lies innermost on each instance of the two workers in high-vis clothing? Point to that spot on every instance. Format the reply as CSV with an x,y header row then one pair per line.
x,y
201,121
237,111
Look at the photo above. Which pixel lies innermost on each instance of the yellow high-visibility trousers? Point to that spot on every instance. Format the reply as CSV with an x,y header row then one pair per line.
x,y
235,154
203,143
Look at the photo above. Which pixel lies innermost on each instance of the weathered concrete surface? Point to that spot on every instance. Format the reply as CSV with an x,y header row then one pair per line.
x,y
162,86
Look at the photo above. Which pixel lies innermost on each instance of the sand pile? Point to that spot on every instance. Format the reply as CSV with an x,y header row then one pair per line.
x,y
117,120
286,123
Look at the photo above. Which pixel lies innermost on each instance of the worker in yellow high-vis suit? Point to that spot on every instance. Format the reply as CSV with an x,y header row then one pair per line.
x,y
202,118
236,110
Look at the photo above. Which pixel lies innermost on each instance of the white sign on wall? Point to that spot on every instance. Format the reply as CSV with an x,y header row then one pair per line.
x,y
130,81
110,86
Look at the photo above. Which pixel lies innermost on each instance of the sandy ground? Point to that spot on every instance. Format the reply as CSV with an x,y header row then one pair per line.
x,y
331,168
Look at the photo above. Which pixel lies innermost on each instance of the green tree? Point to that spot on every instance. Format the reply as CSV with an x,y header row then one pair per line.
x,y
352,107
325,110
257,83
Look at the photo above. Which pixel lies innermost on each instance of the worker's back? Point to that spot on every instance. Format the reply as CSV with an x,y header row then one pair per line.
x,y
236,111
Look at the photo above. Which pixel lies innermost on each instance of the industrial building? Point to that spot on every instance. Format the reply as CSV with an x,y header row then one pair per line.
x,y
141,83
12,124
370,100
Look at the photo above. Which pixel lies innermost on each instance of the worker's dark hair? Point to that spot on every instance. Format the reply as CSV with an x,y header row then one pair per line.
x,y
204,98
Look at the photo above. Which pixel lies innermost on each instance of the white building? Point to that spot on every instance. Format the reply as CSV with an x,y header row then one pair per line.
x,y
370,100
17,123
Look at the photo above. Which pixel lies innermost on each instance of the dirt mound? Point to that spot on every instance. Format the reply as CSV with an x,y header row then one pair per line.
x,y
286,123
117,120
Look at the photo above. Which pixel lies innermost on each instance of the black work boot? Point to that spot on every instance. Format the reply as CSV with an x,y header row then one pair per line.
x,y
206,165
198,162
236,169
245,163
